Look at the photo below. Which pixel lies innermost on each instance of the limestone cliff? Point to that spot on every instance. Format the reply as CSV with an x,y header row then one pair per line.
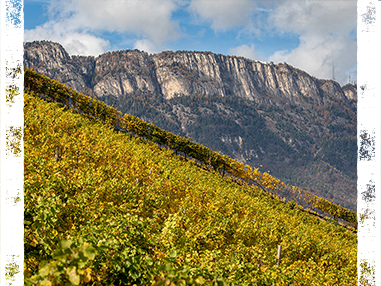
x,y
173,74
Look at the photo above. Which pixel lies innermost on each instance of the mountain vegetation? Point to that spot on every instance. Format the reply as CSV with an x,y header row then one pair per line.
x,y
301,129
318,155
107,207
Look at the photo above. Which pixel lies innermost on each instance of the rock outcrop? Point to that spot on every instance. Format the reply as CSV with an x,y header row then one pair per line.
x,y
172,74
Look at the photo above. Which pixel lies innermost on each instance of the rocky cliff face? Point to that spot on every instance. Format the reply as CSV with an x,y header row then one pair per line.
x,y
173,74
301,128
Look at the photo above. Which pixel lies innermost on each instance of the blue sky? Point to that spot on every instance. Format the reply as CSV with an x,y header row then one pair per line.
x,y
309,35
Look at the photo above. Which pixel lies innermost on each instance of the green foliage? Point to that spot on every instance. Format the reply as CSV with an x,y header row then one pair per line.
x,y
68,266
217,122
341,153
133,212
104,113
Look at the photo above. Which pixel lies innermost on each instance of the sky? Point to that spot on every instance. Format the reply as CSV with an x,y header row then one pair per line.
x,y
318,37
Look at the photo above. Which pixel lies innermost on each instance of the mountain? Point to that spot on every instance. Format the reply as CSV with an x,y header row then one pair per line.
x,y
300,128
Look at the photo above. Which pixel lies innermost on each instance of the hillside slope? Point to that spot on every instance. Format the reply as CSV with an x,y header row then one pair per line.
x,y
129,212
300,128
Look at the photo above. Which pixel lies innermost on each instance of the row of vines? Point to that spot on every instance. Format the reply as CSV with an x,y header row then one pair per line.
x,y
106,208
55,91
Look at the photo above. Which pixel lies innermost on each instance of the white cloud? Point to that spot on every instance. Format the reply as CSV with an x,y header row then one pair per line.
x,y
244,51
149,19
146,46
324,29
84,44
74,43
315,16
316,55
223,14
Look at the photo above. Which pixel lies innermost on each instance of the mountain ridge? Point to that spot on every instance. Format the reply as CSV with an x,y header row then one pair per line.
x,y
301,128
193,67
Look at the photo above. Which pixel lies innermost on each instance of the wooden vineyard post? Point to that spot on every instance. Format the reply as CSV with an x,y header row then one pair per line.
x,y
278,255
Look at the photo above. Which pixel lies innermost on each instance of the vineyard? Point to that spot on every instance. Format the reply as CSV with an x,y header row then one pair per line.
x,y
108,207
55,91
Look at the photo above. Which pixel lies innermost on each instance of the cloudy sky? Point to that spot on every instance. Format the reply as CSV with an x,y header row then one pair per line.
x,y
310,35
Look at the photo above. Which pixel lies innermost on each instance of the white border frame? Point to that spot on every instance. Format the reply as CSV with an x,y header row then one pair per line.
x,y
11,143
369,118
368,139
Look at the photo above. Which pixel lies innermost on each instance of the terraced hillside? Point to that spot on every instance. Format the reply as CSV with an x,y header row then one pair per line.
x,y
106,208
